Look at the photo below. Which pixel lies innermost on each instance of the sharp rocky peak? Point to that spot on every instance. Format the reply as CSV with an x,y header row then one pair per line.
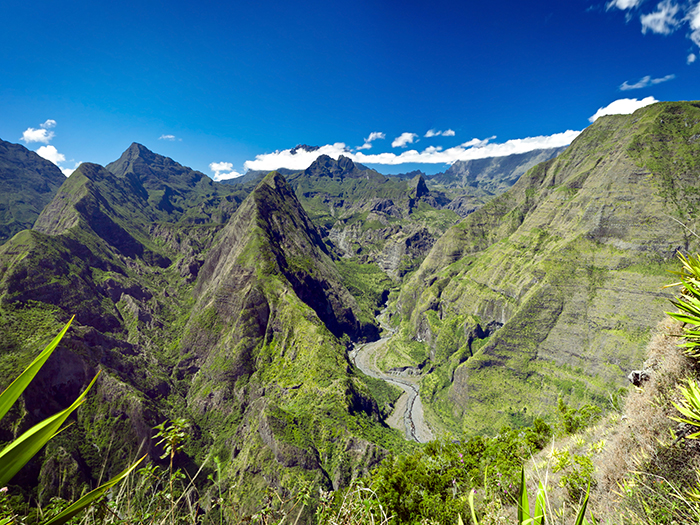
x,y
326,166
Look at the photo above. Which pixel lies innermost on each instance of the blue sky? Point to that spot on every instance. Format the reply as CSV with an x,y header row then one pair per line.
x,y
398,85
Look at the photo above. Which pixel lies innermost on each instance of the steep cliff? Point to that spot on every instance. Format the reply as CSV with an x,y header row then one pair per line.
x,y
566,269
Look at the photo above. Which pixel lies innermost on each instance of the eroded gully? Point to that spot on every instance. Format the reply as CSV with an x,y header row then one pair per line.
x,y
407,415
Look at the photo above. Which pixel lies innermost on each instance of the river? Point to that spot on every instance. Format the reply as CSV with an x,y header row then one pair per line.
x,y
407,415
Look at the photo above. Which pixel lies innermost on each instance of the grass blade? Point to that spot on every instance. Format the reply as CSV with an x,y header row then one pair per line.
x,y
91,497
15,455
12,392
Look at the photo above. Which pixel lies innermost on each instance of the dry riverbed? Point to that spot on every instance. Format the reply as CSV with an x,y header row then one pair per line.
x,y
407,415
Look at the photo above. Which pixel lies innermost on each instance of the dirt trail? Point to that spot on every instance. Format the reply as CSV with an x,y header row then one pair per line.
x,y
408,413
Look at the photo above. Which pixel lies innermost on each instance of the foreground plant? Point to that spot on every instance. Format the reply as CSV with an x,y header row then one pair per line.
x,y
689,303
524,516
15,455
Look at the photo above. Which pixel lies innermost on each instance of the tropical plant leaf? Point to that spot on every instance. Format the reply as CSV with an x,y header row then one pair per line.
x,y
91,497
15,455
581,518
523,503
471,508
538,518
12,392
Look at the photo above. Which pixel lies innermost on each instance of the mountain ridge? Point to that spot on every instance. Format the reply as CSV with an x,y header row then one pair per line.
x,y
545,261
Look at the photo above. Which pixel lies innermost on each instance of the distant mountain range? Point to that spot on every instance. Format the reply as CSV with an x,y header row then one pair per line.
x,y
510,282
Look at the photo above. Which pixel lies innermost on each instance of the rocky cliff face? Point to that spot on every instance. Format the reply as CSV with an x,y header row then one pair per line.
x,y
373,218
571,262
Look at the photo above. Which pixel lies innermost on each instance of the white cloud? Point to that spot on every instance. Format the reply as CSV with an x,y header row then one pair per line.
x,y
477,143
171,138
300,160
403,140
37,135
223,171
645,82
474,149
691,58
693,19
663,20
375,135
50,123
433,133
69,171
52,154
623,4
623,106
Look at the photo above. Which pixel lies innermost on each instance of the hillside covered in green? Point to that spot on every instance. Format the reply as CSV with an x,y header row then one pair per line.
x,y
236,307
552,288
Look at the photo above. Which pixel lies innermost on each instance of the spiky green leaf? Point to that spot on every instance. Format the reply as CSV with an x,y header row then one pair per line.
x,y
12,392
91,497
15,455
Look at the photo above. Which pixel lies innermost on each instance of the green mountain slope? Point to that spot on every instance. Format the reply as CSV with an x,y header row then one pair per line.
x,y
268,340
372,218
552,287
27,184
244,334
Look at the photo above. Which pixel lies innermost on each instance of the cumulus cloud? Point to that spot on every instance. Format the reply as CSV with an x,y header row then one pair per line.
x,y
296,159
51,153
433,133
375,135
623,106
473,149
223,171
37,135
404,140
623,4
69,171
171,138
691,58
645,82
477,143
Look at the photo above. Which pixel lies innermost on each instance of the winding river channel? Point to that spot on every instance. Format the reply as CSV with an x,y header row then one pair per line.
x,y
408,412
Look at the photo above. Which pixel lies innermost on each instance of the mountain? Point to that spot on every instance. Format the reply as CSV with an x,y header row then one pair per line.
x,y
241,328
370,217
175,192
494,174
235,306
28,182
552,288
268,338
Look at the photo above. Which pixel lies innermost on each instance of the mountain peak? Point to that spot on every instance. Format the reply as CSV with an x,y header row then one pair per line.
x,y
325,166
418,185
